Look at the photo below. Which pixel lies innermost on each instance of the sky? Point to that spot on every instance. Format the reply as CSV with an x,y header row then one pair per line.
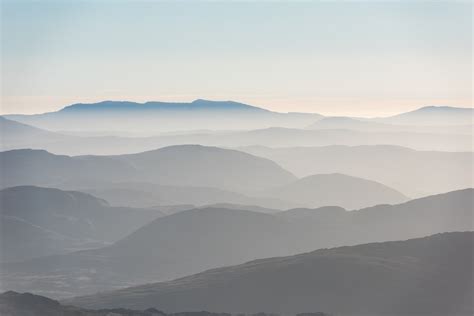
x,y
331,57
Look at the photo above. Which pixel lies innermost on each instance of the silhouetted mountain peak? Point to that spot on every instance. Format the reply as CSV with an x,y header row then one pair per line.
x,y
224,105
199,104
433,110
439,108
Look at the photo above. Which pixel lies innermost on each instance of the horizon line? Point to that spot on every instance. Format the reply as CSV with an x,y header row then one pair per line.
x,y
247,104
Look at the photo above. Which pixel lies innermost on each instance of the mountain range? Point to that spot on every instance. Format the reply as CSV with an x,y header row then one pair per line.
x,y
220,206
43,221
214,237
373,125
423,276
187,165
412,172
336,189
18,136
28,304
189,174
163,116
153,117
433,115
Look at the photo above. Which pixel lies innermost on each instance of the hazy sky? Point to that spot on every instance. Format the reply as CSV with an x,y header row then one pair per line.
x,y
357,58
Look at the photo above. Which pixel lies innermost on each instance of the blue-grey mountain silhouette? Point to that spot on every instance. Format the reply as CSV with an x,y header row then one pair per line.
x,y
163,116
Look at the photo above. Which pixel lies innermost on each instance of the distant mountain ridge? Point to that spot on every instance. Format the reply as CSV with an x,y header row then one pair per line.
x,y
185,165
433,115
337,190
194,168
40,221
412,172
154,117
16,134
196,105
107,130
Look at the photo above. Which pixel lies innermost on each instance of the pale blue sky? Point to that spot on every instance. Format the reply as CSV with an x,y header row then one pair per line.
x,y
358,58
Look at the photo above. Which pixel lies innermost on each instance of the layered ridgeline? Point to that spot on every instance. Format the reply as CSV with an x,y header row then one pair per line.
x,y
43,221
425,276
27,304
195,240
190,174
435,171
313,191
413,172
152,117
433,115
161,196
109,116
18,134
271,137
186,165
429,119
114,120
336,189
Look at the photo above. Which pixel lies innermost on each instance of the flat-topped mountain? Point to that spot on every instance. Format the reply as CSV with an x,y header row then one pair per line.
x,y
196,105
152,117
195,240
392,278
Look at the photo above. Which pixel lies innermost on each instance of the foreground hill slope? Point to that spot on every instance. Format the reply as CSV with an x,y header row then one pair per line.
x,y
195,240
337,189
393,278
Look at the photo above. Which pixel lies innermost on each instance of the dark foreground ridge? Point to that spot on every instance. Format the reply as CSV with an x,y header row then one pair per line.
x,y
423,276
27,304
